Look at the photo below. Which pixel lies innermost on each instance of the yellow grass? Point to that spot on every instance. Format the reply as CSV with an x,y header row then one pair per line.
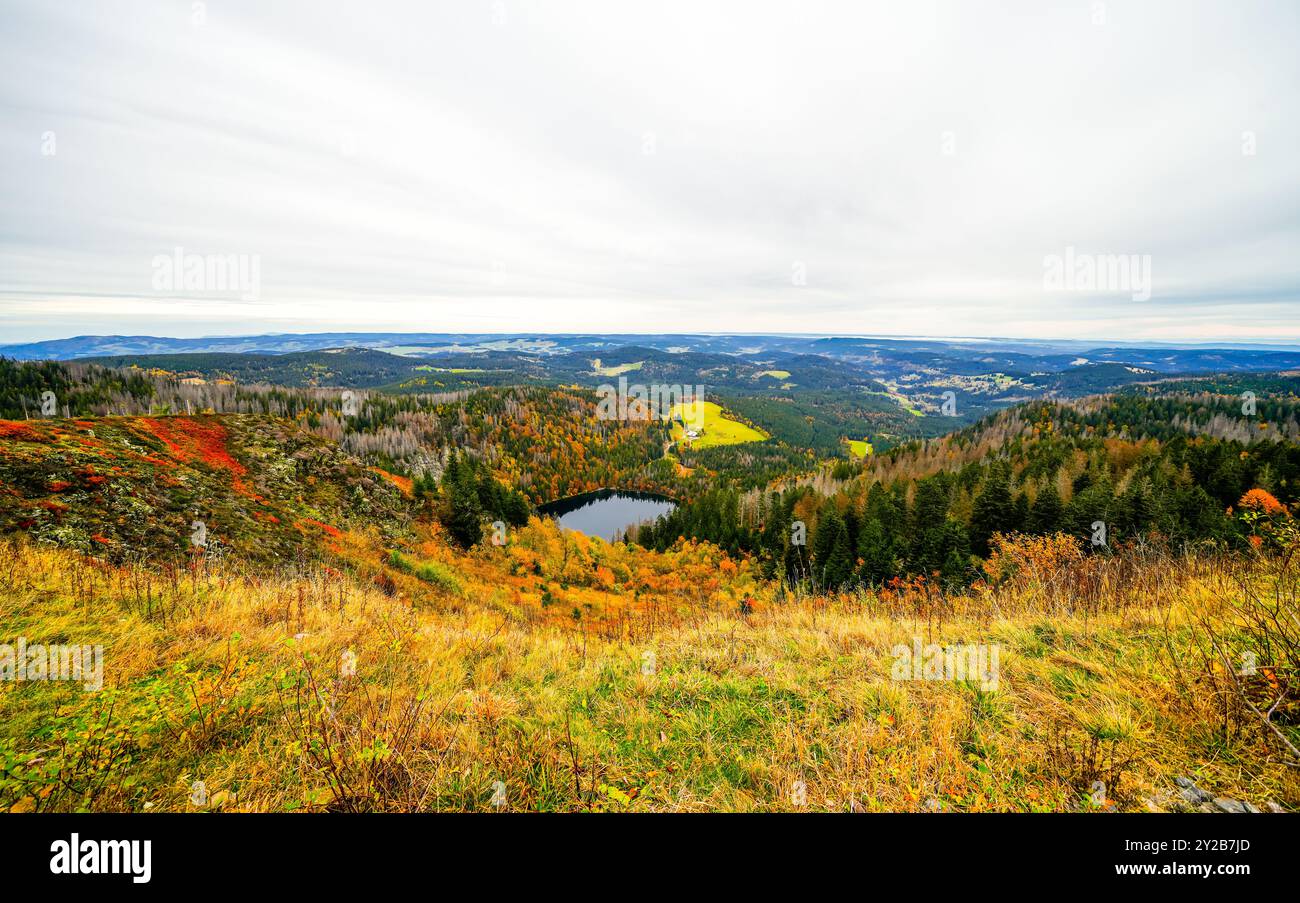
x,y
616,369
235,679
718,428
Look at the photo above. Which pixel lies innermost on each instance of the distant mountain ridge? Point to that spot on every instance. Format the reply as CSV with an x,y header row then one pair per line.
x,y
1019,355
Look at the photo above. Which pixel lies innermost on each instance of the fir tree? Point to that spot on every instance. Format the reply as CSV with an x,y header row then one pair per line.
x,y
992,512
1045,515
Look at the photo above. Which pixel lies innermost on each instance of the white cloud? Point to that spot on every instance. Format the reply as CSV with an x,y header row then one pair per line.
x,y
587,166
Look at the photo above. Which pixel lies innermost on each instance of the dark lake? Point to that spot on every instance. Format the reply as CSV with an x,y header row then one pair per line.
x,y
606,512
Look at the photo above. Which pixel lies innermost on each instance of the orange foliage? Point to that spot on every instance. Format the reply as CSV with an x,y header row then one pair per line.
x,y
406,484
14,429
326,528
1262,501
1018,556
190,439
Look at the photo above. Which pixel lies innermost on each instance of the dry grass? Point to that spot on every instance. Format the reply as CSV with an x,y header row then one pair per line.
x,y
239,681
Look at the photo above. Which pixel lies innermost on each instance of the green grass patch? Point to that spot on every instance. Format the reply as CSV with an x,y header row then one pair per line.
x,y
860,448
430,572
718,428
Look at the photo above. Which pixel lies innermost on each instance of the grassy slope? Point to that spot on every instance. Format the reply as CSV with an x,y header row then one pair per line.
x,y
230,680
524,664
718,428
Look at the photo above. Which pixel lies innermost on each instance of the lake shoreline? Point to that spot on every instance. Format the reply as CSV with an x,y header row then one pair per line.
x,y
609,512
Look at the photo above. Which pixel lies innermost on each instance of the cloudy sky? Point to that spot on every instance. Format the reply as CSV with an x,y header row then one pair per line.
x,y
884,168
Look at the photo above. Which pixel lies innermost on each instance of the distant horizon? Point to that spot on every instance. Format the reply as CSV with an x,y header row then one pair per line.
x,y
1235,344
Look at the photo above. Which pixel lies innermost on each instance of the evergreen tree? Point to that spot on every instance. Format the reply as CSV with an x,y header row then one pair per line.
x,y
1045,515
992,512
464,511
1088,507
876,549
954,553
1138,509
1019,514
925,525
832,554
852,525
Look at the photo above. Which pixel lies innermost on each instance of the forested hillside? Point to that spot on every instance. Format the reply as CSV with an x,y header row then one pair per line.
x,y
1110,471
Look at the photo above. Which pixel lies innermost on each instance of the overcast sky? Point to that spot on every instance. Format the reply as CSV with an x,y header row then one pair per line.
x,y
469,165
